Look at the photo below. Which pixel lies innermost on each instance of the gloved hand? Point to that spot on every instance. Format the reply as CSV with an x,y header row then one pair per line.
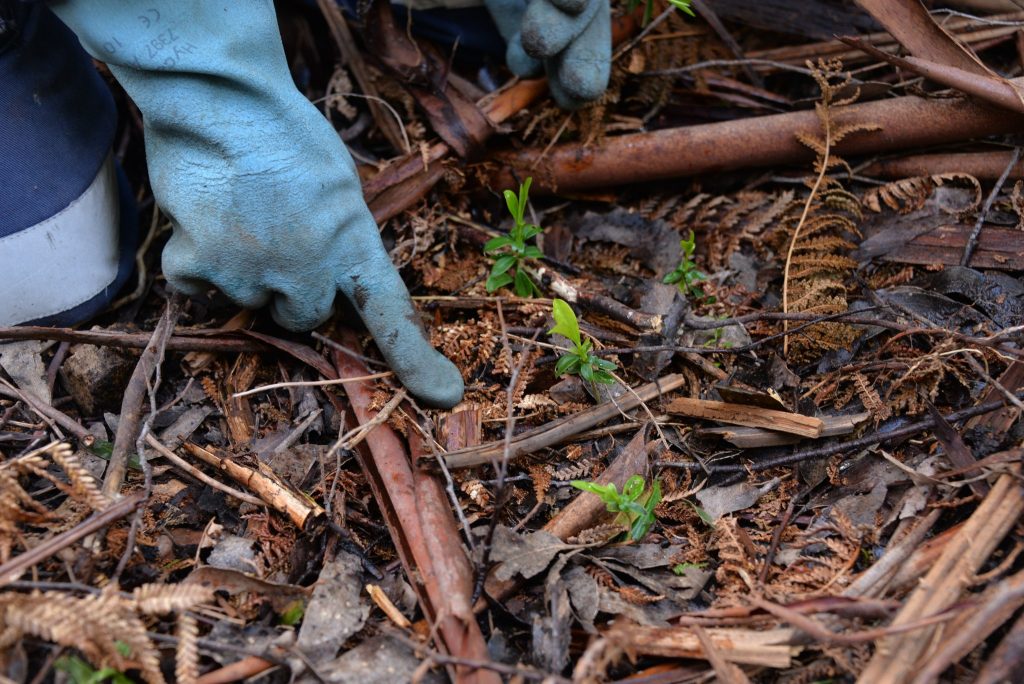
x,y
264,198
571,40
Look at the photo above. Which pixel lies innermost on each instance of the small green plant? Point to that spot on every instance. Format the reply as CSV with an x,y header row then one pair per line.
x,y
686,276
580,360
293,613
683,5
81,672
635,505
509,251
681,568
716,340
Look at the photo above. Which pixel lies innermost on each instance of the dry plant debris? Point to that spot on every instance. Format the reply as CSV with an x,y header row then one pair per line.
x,y
833,426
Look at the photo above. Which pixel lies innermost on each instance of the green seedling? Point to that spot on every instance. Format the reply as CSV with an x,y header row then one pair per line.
x,y
686,276
81,672
580,360
509,251
634,506
681,568
716,340
682,5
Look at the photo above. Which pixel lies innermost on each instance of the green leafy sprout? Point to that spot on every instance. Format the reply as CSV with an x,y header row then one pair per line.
x,y
634,506
509,251
580,360
682,5
686,276
81,672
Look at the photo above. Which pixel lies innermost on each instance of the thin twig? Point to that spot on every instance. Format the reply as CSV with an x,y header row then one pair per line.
x,y
972,240
190,469
131,405
311,383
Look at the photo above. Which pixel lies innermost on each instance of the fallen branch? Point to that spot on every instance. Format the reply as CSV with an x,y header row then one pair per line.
x,y
560,430
832,450
419,518
905,122
190,340
274,492
768,648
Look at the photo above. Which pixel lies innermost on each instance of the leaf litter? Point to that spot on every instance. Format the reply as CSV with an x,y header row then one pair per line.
x,y
829,294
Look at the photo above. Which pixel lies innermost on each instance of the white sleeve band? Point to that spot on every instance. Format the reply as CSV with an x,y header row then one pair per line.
x,y
67,259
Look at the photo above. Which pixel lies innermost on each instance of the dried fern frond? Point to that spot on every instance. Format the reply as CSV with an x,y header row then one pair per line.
x,y
186,658
107,627
816,267
910,194
17,504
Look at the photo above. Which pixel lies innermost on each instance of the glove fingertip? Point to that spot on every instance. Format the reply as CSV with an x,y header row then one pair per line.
x,y
520,63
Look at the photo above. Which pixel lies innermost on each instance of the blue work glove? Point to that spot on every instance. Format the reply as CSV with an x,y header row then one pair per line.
x,y
264,198
569,40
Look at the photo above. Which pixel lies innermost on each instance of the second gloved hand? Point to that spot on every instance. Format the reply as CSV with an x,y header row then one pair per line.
x,y
570,40
264,198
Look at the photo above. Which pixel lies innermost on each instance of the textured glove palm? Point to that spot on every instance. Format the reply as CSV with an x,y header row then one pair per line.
x,y
569,40
263,196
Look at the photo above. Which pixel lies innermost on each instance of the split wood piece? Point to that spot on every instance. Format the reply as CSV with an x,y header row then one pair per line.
x,y
134,396
982,165
756,437
996,606
744,414
905,122
408,178
183,341
583,512
997,248
970,31
15,567
562,429
418,515
767,648
898,658
1006,664
275,492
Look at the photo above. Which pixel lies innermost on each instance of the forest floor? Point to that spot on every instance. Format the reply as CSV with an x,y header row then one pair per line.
x,y
788,449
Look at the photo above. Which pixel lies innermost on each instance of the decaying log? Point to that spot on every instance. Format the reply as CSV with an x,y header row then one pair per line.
x,y
906,122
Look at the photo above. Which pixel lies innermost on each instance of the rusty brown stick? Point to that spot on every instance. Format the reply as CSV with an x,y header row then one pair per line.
x,y
194,341
906,122
982,165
